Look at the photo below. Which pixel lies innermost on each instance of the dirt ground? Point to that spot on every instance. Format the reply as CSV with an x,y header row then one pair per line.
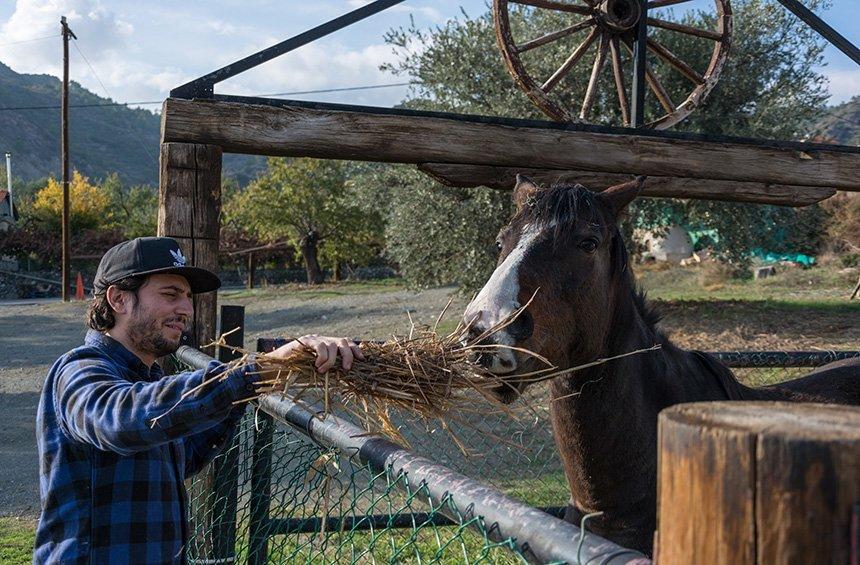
x,y
33,335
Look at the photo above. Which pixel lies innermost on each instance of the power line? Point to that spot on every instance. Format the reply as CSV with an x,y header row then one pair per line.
x,y
29,40
152,102
131,128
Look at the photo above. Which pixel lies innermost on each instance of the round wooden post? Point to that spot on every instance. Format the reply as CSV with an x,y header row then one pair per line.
x,y
757,482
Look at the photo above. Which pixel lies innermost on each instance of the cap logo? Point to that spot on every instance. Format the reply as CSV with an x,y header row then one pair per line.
x,y
178,259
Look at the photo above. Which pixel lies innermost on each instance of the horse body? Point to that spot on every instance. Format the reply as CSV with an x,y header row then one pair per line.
x,y
585,306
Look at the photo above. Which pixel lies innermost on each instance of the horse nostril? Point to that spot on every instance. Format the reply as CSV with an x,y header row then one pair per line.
x,y
475,331
522,328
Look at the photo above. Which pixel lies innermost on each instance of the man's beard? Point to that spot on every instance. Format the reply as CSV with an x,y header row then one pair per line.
x,y
147,335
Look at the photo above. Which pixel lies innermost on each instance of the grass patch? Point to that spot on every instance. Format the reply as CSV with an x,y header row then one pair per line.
x,y
17,536
314,292
819,287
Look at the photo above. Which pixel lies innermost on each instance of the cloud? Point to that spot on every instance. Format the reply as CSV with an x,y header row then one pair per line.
x,y
844,84
428,12
106,33
323,65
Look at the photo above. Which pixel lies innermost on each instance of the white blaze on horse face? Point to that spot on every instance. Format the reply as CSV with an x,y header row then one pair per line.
x,y
498,299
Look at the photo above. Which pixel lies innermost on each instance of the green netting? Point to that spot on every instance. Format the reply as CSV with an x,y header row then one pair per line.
x,y
298,502
349,509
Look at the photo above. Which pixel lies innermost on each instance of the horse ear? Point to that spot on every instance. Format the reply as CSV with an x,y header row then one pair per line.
x,y
524,190
620,195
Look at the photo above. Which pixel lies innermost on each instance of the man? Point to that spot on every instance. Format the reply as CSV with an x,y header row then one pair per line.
x,y
112,482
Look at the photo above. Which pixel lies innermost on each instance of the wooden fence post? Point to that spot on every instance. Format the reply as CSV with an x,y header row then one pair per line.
x,y
757,482
189,207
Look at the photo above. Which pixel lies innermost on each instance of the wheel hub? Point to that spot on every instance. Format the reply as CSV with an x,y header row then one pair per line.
x,y
620,15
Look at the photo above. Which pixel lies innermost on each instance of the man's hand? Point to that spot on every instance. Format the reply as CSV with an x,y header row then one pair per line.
x,y
326,348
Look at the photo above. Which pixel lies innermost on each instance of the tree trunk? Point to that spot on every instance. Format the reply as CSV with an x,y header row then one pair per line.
x,y
309,252
335,277
252,267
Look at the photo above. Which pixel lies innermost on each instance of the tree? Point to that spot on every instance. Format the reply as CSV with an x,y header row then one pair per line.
x,y
307,203
769,88
88,205
134,209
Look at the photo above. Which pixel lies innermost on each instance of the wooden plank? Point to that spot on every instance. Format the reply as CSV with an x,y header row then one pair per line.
x,y
757,482
207,197
503,178
324,133
176,190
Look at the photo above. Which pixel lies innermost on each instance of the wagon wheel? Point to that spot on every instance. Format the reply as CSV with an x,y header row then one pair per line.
x,y
611,26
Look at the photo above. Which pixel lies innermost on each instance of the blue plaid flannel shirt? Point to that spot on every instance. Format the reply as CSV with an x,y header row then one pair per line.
x,y
111,485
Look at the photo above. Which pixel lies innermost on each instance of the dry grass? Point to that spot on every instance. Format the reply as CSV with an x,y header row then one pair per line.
x,y
433,377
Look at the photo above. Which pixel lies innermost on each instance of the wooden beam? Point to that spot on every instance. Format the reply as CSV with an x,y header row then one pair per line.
x,y
189,202
503,178
323,133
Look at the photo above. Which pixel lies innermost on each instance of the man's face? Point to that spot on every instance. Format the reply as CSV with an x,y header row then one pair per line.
x,y
161,314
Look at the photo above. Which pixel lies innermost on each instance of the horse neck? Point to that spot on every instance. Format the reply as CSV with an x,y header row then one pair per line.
x,y
604,418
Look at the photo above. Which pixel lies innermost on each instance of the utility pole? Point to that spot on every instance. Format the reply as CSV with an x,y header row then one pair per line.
x,y
64,149
9,181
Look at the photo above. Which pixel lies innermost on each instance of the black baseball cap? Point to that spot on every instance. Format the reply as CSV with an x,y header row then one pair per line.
x,y
150,256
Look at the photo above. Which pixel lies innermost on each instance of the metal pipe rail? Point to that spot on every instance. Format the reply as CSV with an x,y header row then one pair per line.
x,y
541,538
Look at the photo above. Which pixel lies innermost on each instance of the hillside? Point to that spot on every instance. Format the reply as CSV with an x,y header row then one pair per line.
x,y
102,139
842,123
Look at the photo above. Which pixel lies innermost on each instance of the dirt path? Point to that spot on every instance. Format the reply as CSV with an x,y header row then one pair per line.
x,y
32,336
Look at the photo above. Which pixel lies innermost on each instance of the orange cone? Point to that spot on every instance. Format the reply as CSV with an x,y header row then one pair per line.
x,y
79,287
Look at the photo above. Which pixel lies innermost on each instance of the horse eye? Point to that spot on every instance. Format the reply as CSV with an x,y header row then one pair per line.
x,y
498,245
588,245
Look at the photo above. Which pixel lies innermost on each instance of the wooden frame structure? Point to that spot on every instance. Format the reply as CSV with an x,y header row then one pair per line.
x,y
460,150
464,150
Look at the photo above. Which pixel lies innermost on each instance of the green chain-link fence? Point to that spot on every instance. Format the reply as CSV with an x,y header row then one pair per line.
x,y
279,496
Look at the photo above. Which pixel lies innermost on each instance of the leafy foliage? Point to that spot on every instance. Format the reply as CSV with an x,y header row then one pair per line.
x,y
769,88
441,235
308,204
88,205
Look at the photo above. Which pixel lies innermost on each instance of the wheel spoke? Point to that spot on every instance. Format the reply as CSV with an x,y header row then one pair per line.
x,y
550,37
689,30
619,81
558,6
599,61
571,61
654,4
654,84
673,60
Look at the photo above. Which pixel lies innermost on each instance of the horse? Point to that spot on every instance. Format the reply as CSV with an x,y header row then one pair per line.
x,y
563,251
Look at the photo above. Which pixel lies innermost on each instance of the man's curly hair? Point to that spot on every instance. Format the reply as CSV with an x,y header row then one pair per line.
x,y
100,315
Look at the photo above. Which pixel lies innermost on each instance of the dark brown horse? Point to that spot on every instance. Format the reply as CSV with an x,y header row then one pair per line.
x,y
563,246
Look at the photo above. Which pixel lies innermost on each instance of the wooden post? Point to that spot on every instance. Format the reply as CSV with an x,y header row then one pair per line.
x,y
757,482
252,266
189,206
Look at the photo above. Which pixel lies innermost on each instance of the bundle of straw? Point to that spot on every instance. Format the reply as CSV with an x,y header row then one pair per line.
x,y
423,373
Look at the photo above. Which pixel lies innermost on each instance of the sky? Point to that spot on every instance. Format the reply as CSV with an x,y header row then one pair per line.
x,y
137,50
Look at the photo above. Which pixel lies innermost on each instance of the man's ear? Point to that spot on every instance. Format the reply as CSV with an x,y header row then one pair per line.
x,y
524,190
119,300
620,195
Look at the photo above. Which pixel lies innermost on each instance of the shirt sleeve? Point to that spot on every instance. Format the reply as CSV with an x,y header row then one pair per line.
x,y
202,447
95,405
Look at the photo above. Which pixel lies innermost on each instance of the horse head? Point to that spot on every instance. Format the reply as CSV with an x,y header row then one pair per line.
x,y
563,252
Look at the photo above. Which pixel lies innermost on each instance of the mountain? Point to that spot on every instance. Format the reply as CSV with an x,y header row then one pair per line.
x,y
101,139
841,123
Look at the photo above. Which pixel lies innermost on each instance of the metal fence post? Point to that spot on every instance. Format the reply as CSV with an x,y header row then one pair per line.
x,y
261,477
225,468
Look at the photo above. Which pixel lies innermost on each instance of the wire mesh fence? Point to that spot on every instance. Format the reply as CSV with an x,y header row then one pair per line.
x,y
278,496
